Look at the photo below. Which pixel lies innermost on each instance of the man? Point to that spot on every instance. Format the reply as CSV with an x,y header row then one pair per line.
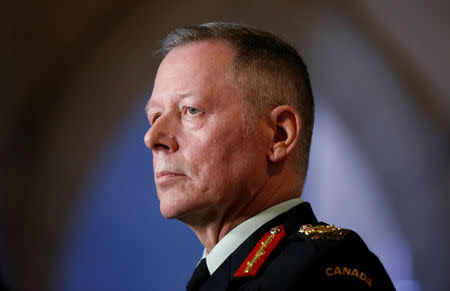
x,y
231,117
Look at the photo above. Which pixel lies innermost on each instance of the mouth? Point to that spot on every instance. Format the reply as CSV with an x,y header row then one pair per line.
x,y
167,175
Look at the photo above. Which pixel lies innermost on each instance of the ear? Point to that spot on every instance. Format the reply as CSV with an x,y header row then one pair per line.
x,y
286,125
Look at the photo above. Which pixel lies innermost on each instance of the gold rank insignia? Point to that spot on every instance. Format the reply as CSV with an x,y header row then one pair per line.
x,y
329,232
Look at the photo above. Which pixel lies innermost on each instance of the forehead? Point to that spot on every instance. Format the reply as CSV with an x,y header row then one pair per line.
x,y
197,66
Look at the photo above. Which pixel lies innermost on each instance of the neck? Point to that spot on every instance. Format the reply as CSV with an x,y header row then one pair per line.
x,y
212,225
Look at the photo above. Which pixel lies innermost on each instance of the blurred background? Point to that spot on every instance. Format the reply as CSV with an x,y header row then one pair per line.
x,y
78,209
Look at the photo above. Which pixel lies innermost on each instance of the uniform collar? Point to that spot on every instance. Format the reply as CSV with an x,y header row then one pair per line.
x,y
232,240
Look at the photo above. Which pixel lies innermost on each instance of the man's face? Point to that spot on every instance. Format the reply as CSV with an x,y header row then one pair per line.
x,y
203,162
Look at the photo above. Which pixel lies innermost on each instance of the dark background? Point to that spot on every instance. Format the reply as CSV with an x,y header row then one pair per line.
x,y
78,209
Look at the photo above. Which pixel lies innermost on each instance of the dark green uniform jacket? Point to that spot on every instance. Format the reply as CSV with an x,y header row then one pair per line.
x,y
318,258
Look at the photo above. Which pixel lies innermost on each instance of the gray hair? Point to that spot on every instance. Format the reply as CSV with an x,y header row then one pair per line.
x,y
269,72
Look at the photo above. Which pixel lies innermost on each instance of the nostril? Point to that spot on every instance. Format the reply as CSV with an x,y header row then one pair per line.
x,y
160,146
158,139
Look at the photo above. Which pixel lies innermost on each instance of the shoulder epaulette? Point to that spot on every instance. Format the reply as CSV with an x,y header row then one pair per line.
x,y
321,231
261,252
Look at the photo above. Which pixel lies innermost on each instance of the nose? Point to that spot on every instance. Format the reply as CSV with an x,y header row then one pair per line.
x,y
160,138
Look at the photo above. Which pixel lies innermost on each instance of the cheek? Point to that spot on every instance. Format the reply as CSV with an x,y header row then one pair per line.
x,y
211,158
226,157
222,148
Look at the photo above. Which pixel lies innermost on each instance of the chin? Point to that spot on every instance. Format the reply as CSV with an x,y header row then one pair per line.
x,y
189,214
173,209
168,206
168,212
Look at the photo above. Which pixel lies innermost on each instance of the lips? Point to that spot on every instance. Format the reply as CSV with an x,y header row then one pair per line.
x,y
166,169
166,177
163,174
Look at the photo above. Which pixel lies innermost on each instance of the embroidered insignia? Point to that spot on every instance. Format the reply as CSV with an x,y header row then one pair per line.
x,y
261,252
330,232
349,272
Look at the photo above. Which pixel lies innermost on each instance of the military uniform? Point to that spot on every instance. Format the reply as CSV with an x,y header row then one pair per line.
x,y
293,251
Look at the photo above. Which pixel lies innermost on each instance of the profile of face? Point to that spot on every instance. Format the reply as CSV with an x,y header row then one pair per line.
x,y
204,163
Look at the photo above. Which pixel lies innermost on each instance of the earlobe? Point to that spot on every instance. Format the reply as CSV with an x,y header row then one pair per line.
x,y
286,124
278,153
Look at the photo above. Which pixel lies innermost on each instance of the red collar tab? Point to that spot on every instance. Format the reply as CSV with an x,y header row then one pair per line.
x,y
261,252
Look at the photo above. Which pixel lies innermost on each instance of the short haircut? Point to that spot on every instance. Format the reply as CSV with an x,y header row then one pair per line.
x,y
269,72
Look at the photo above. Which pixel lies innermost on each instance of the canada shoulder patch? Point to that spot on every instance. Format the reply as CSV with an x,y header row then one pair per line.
x,y
255,260
349,272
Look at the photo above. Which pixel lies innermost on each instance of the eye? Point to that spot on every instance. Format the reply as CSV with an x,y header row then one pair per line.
x,y
154,117
192,110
